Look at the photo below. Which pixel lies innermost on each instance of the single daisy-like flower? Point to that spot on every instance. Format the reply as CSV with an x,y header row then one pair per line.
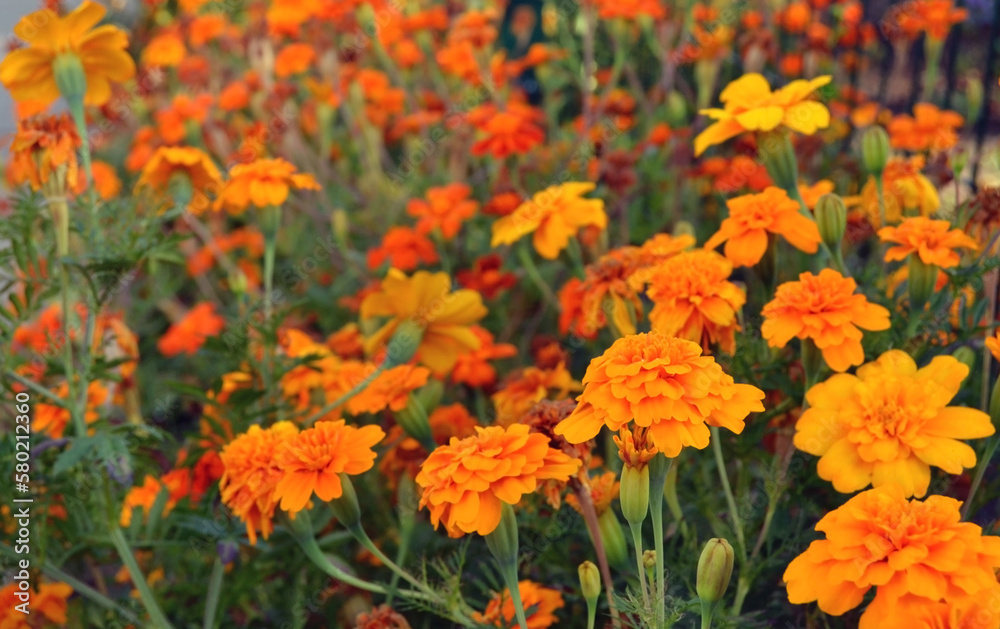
x,y
663,384
552,216
826,309
446,208
934,241
890,423
44,154
904,189
261,183
191,165
541,601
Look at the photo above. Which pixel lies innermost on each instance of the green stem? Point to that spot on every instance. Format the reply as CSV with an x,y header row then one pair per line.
x,y
214,592
270,248
980,472
509,572
535,276
880,191
742,589
156,615
576,255
637,543
54,399
720,463
79,423
657,483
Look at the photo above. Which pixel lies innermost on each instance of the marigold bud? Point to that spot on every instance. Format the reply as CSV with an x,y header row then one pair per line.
x,y
634,493
973,95
676,109
649,559
683,228
413,418
875,150
346,508
590,581
831,218
503,542
920,282
995,405
776,151
71,78
715,568
404,343
965,355
613,538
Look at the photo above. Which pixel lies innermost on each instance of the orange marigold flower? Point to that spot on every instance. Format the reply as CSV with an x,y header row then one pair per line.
x,y
912,552
664,384
503,203
426,299
347,342
446,208
382,617
165,50
486,276
890,423
294,59
465,482
514,130
29,73
262,183
630,9
405,457
106,180
603,491
553,216
811,194
521,389
183,115
317,367
312,461
206,28
192,165
474,368
693,299
933,17
750,105
825,309
541,601
177,484
932,240
928,129
44,154
993,344
904,189
52,419
188,335
405,249
389,390
251,474
753,216
49,601
234,96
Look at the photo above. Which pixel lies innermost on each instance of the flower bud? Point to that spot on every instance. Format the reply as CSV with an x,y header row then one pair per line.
x,y
715,568
676,109
973,95
649,559
430,394
404,343
776,151
590,581
346,508
613,538
920,282
71,79
341,225
965,355
502,541
413,419
831,218
874,150
634,493
995,405
683,228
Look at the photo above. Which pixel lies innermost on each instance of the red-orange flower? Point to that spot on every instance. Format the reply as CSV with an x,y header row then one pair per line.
x,y
294,59
932,240
446,208
928,129
521,389
312,461
404,248
43,154
486,276
664,384
540,604
823,308
465,482
474,368
514,130
188,335
389,390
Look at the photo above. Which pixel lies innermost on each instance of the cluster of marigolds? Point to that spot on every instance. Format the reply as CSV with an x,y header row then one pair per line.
x,y
414,397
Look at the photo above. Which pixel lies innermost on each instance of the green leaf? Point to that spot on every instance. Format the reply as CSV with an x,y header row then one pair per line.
x,y
80,448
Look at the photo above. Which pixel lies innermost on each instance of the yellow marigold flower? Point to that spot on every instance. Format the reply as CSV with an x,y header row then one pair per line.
x,y
251,473
932,240
553,215
913,552
164,50
904,188
542,602
823,308
993,344
29,73
693,299
312,461
465,482
426,299
750,105
753,216
191,165
44,154
663,384
890,423
262,183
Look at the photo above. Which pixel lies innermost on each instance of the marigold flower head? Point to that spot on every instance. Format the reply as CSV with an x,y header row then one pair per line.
x,y
165,50
446,208
294,59
405,249
753,216
52,419
521,389
30,73
933,17
487,276
904,188
664,384
603,491
514,130
890,423
993,344
912,552
693,299
382,617
553,216
928,129
312,461
262,183
49,602
426,299
177,484
188,334
465,482
195,168
389,390
541,601
44,154
826,309
750,105
630,9
474,368
251,475
932,240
